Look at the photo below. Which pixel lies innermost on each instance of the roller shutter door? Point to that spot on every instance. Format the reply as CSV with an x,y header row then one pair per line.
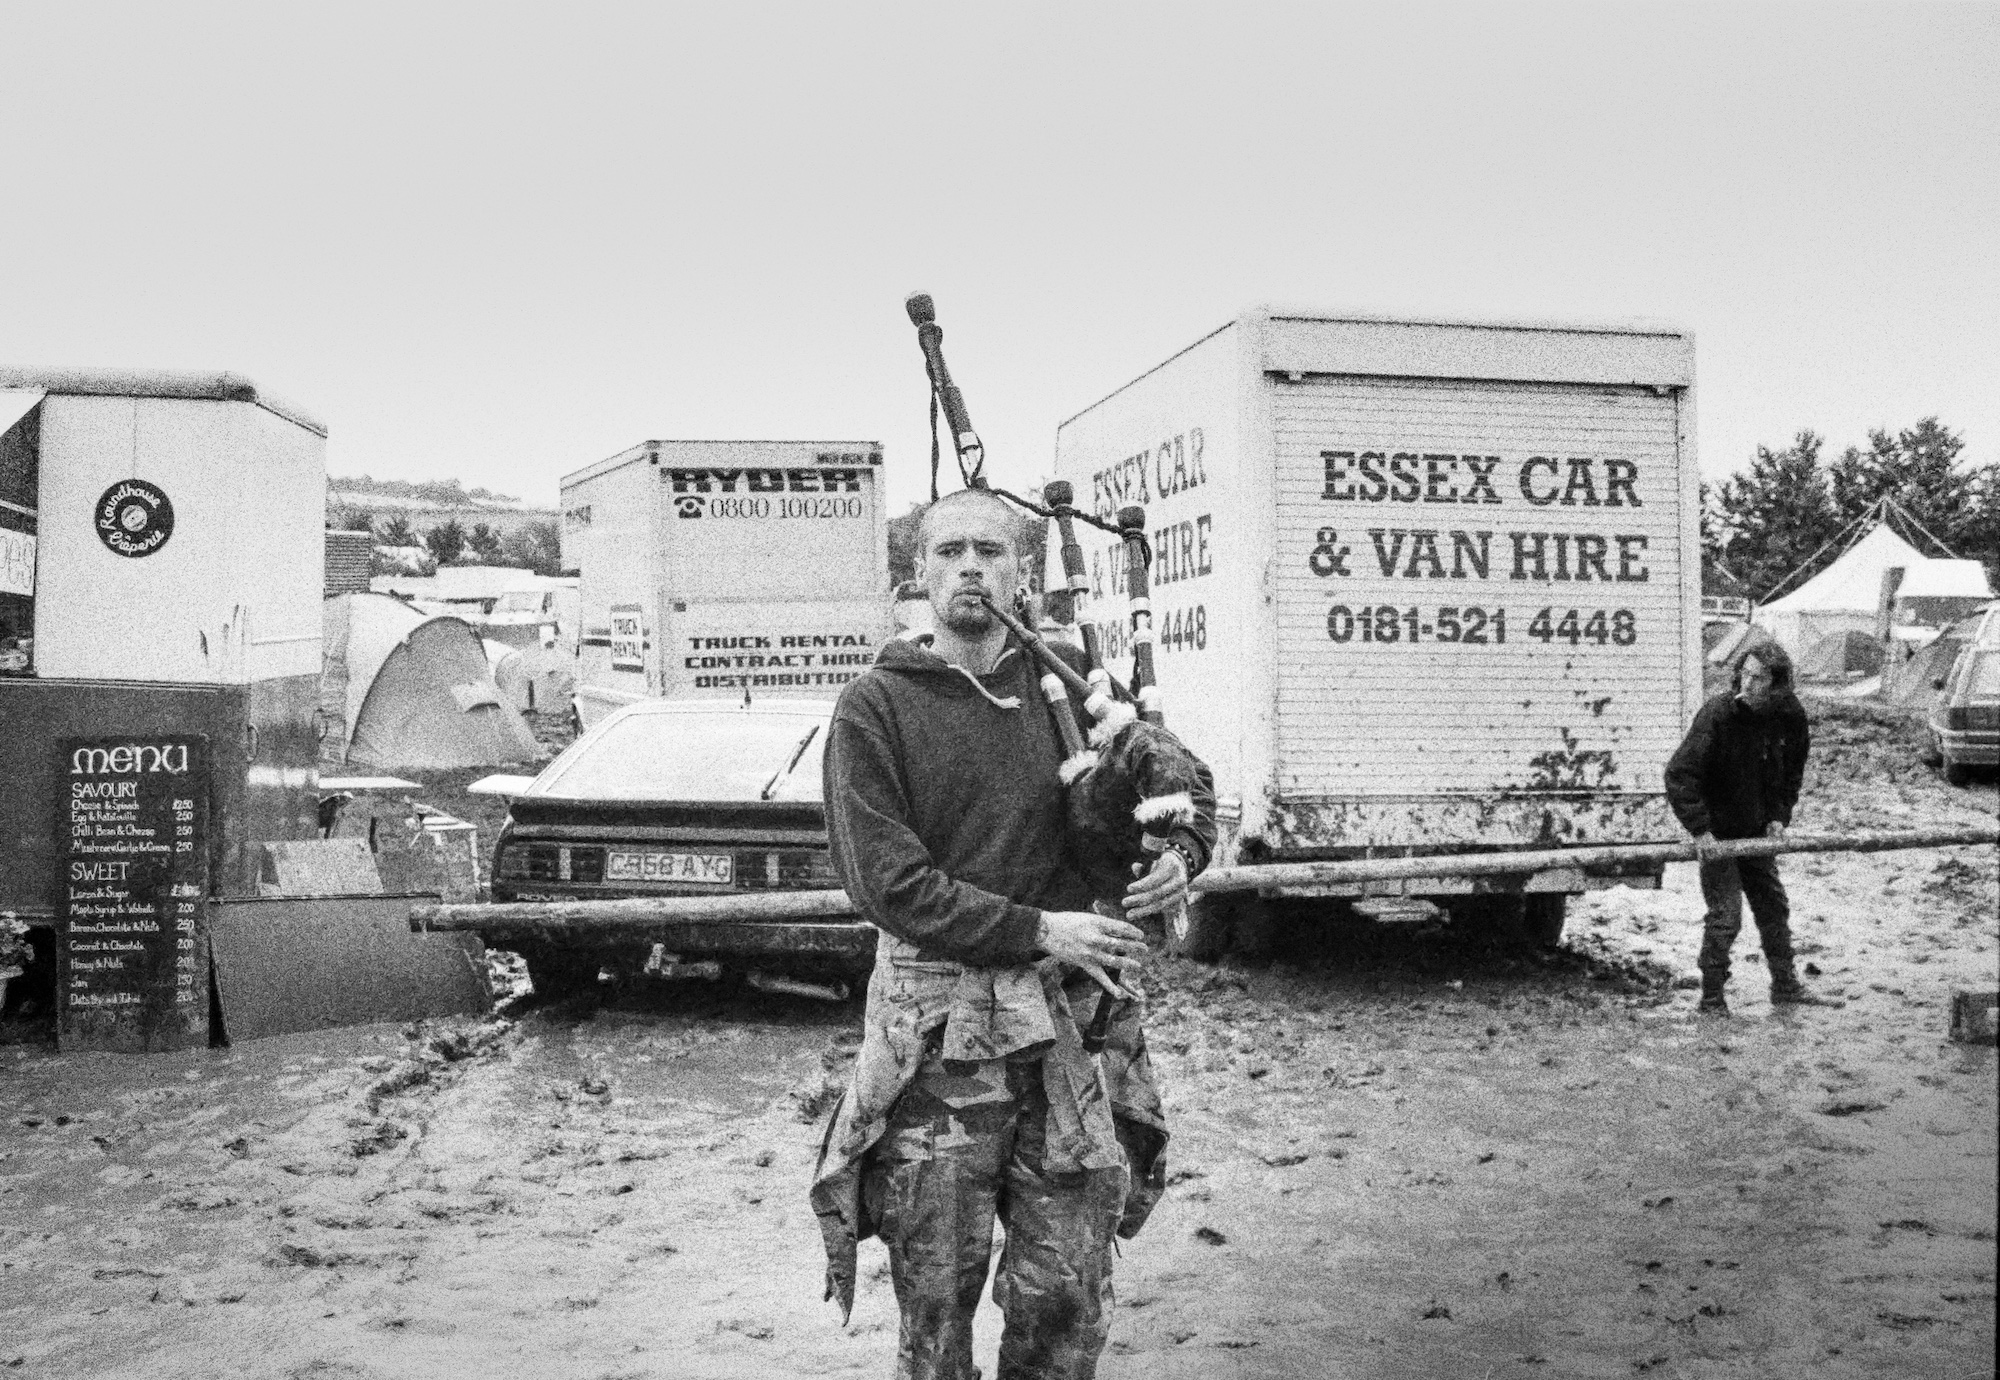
x,y
1483,505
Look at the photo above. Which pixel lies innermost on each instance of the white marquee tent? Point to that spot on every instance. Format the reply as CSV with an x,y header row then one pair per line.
x,y
1842,600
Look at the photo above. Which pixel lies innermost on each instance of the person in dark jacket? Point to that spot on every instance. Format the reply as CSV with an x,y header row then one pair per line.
x,y
1736,776
974,1095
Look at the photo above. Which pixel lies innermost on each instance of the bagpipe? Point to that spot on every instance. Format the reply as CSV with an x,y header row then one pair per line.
x,y
1127,781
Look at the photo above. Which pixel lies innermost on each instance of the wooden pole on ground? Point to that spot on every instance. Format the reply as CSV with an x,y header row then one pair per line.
x,y
636,913
1252,877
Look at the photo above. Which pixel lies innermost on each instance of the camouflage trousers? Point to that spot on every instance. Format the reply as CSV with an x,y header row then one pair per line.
x,y
1725,885
964,1148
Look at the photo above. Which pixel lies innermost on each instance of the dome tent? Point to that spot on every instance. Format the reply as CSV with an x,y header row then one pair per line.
x,y
405,689
532,678
1911,682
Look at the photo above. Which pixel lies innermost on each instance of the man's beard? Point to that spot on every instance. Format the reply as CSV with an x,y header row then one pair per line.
x,y
966,617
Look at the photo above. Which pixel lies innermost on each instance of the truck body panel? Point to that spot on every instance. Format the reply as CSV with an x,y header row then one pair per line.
x,y
1430,584
712,567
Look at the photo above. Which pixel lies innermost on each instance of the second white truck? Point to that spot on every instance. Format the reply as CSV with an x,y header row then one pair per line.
x,y
1418,587
719,569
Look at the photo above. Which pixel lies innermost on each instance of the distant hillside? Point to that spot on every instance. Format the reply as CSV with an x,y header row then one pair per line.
x,y
437,493
376,503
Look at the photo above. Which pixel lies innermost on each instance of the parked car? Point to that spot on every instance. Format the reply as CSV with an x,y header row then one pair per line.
x,y
1964,722
677,798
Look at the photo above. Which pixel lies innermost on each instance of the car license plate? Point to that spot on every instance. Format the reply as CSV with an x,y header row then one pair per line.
x,y
648,866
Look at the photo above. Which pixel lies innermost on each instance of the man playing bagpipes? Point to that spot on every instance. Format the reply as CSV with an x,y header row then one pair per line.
x,y
1003,1070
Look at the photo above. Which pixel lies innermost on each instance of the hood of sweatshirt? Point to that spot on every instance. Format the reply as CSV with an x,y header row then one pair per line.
x,y
1001,686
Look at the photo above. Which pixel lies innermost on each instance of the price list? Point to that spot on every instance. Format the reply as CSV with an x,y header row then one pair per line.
x,y
132,888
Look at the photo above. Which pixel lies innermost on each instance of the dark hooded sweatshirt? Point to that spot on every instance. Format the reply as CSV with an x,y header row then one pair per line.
x,y
944,810
1739,770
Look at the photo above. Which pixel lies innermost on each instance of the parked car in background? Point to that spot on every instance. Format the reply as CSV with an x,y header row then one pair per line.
x,y
676,798
1964,722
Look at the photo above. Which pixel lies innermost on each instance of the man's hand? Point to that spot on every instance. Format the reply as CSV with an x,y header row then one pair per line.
x,y
1775,829
1161,890
1090,942
1704,846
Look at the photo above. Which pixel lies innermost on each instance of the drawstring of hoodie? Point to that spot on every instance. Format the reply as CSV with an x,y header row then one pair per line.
x,y
1003,701
998,701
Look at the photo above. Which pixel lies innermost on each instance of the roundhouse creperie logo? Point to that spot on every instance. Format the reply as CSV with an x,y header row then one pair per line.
x,y
134,518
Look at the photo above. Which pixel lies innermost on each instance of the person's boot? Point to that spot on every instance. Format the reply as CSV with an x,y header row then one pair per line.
x,y
1787,990
1712,1003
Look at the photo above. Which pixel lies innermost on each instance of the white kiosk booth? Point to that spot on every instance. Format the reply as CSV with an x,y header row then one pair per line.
x,y
161,558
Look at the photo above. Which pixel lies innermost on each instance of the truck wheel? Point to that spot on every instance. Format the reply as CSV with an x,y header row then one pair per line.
x,y
1933,755
558,974
1956,773
1542,919
1202,929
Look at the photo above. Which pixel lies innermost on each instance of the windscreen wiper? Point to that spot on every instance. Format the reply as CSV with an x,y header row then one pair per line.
x,y
771,786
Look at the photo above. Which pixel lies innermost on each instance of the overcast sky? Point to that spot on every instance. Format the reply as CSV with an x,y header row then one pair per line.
x,y
499,245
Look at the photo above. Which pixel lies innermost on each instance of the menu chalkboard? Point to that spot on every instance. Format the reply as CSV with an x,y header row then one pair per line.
x,y
132,893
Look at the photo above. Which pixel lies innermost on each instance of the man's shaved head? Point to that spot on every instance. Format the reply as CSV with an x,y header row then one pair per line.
x,y
958,496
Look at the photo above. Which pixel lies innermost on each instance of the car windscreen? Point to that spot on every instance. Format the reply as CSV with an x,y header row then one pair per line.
x,y
1982,677
719,756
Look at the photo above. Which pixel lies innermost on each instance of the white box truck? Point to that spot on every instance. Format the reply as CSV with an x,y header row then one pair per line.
x,y
726,568
1418,587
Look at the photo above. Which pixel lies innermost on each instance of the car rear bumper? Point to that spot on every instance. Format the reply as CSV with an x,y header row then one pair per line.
x,y
1973,748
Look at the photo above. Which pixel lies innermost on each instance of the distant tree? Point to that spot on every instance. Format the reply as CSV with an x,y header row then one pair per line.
x,y
1980,533
1918,470
396,532
1763,524
903,545
484,544
535,545
446,541
350,519
1766,523
1034,561
380,564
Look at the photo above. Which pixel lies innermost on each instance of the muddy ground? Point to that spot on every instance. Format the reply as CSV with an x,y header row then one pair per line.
x,y
1397,1153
